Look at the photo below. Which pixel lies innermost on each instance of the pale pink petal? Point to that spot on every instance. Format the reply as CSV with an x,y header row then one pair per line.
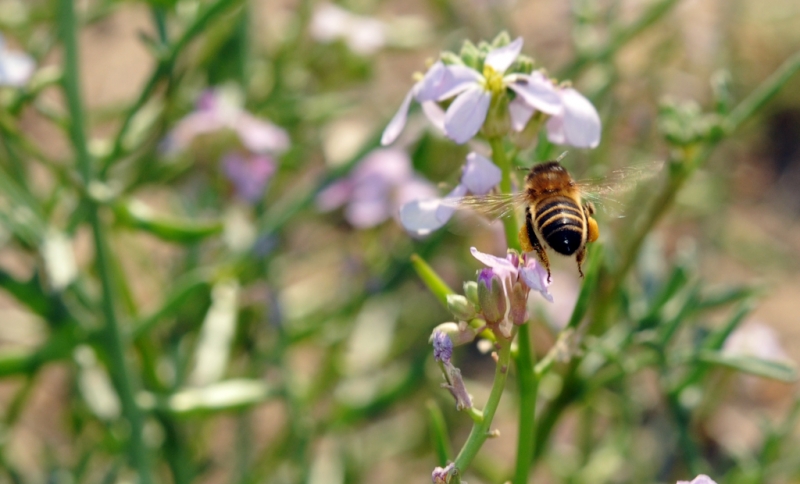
x,y
450,203
538,92
501,266
249,174
480,174
434,113
455,80
555,130
500,59
417,188
334,195
389,165
419,217
398,122
520,113
466,115
535,277
194,124
367,212
260,136
581,121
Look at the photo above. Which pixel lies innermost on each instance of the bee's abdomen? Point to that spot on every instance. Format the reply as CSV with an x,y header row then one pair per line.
x,y
560,222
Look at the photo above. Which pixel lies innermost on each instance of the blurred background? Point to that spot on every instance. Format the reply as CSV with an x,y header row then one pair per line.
x,y
270,335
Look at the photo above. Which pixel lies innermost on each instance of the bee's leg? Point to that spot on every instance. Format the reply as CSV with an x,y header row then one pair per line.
x,y
530,243
579,256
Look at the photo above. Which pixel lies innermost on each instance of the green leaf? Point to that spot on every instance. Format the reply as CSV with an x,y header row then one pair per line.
x,y
223,396
137,215
441,441
776,370
438,287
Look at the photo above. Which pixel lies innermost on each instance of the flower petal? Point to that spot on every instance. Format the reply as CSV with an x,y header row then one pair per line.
x,y
434,113
555,130
501,266
398,122
520,113
500,59
260,136
581,121
334,195
538,92
466,115
249,174
480,174
450,203
443,82
366,212
535,277
419,217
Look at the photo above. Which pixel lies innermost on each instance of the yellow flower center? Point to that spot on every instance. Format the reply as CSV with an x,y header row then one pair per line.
x,y
493,81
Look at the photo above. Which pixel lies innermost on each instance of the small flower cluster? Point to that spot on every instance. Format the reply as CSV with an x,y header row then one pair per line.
x,y
494,88
251,164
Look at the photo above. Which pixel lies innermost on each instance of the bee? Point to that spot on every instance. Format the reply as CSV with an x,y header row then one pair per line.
x,y
559,211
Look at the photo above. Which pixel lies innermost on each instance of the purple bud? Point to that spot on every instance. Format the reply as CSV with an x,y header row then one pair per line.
x,y
491,296
442,475
442,347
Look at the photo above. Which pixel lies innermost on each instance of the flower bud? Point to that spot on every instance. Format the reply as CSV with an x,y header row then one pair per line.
x,y
491,296
442,475
450,58
470,55
501,40
459,333
442,347
471,292
518,301
460,306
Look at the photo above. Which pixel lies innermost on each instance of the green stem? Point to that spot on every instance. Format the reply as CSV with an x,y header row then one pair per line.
x,y
481,431
112,341
528,385
501,160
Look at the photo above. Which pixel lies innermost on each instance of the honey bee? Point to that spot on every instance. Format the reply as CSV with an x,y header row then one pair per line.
x,y
558,213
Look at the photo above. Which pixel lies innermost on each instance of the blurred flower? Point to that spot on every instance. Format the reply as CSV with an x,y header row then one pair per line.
x,y
15,67
363,35
442,475
517,276
221,109
424,215
442,347
701,479
376,189
576,124
757,340
248,173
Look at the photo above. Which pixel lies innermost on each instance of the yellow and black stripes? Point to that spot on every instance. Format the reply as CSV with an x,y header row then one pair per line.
x,y
560,221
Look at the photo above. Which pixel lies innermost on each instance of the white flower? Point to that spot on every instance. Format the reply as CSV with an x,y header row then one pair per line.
x,y
363,35
15,67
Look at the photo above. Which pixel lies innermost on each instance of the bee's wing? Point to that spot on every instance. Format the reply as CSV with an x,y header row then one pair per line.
x,y
493,206
608,193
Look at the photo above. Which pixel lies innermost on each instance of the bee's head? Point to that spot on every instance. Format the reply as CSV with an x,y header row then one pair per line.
x,y
547,176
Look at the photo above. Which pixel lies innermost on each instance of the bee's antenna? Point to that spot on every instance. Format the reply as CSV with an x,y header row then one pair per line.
x,y
561,156
523,168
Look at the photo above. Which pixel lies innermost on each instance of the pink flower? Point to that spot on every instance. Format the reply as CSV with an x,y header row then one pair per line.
x,y
422,216
15,67
517,275
219,109
376,189
249,174
473,93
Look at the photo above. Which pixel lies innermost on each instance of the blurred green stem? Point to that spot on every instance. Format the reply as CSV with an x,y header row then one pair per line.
x,y
481,431
502,161
113,341
528,385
